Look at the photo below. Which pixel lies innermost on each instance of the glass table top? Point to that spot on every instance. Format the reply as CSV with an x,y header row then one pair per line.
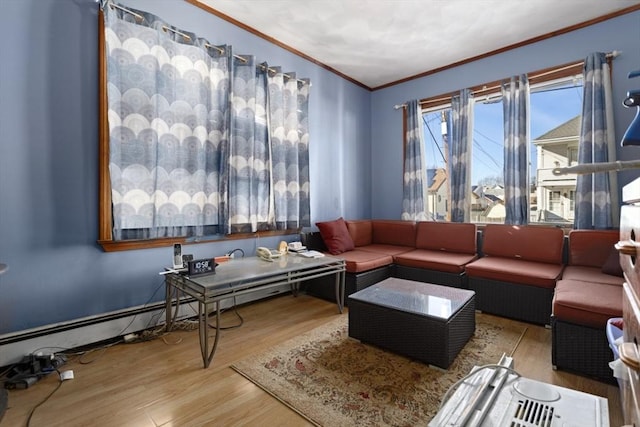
x,y
425,299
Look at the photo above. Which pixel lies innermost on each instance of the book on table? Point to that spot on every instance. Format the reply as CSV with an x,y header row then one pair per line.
x,y
311,254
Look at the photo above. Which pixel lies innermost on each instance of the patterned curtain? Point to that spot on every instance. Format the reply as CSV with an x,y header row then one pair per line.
x,y
515,103
191,132
461,131
169,125
250,204
288,100
594,191
414,181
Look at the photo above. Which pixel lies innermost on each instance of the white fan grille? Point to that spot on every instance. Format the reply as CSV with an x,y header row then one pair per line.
x,y
531,413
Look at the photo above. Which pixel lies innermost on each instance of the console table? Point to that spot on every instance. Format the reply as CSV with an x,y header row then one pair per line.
x,y
241,276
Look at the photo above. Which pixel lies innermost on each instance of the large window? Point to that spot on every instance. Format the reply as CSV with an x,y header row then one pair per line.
x,y
555,108
196,142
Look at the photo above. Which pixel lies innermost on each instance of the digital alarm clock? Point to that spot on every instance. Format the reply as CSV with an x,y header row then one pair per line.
x,y
201,266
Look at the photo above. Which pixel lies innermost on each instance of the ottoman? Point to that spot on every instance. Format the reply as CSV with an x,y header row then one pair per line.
x,y
426,322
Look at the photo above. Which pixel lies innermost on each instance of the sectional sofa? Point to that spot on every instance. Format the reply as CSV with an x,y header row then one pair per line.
x,y
531,273
434,252
587,295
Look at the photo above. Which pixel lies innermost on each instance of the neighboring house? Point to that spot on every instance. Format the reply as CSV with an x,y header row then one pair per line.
x,y
556,194
495,211
495,190
487,204
437,197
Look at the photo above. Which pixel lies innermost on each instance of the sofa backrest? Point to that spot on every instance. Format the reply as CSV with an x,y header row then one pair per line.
x,y
526,242
591,248
361,231
393,232
313,240
458,237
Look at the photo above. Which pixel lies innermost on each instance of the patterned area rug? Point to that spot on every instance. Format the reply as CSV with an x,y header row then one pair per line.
x,y
333,380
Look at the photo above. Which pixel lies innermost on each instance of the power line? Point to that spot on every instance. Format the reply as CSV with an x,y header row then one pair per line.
x,y
435,142
487,138
479,147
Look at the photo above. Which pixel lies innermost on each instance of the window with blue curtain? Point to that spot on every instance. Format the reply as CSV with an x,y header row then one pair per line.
x,y
201,142
512,164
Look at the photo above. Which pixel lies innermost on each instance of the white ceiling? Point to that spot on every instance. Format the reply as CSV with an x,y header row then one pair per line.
x,y
376,42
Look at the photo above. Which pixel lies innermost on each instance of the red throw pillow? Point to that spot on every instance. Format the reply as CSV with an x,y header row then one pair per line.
x,y
612,264
336,236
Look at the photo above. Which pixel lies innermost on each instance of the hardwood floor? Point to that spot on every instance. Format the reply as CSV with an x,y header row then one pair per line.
x,y
162,382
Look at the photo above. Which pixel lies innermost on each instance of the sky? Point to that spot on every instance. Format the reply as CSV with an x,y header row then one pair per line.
x,y
549,109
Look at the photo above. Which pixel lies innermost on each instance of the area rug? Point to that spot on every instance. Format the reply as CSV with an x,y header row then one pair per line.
x,y
333,380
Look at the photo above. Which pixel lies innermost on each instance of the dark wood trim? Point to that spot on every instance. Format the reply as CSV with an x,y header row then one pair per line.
x,y
105,221
270,39
515,46
105,237
547,74
274,41
127,245
104,185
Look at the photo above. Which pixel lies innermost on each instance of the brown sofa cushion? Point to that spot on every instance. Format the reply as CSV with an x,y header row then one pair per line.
x,y
591,248
358,260
515,271
394,232
530,243
447,236
335,236
612,264
386,249
361,231
590,274
435,260
587,303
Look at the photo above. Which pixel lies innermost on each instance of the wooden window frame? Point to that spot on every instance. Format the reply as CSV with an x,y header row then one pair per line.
x,y
105,221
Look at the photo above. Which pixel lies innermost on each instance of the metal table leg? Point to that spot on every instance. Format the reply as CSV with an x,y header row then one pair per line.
x,y
340,279
167,309
203,330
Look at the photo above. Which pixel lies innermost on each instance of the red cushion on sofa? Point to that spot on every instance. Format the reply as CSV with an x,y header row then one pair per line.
x,y
612,264
336,236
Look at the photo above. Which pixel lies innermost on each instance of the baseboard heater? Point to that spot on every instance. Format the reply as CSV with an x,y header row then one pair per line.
x,y
94,329
495,396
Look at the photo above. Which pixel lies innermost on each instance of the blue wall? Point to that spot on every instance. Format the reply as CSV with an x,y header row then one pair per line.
x,y
49,148
622,34
49,158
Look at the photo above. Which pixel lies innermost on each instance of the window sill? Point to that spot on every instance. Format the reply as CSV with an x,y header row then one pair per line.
x,y
129,245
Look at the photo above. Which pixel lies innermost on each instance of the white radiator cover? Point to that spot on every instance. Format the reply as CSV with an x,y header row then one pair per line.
x,y
62,336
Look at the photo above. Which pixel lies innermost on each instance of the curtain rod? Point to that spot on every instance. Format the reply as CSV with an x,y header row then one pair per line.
x,y
112,5
187,37
610,55
598,167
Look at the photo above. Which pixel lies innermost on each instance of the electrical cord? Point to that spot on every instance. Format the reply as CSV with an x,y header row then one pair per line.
x,y
235,309
144,305
236,250
33,410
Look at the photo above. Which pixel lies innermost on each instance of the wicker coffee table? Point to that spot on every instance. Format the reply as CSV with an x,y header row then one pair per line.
x,y
429,323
